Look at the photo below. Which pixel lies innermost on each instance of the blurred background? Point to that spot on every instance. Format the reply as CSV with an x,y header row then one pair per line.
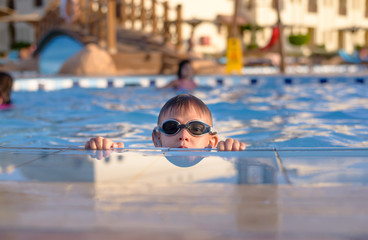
x,y
125,37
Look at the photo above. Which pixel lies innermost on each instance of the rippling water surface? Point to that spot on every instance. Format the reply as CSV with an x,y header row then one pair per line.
x,y
286,116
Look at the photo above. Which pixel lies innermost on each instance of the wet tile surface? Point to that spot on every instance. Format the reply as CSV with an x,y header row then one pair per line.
x,y
320,167
180,195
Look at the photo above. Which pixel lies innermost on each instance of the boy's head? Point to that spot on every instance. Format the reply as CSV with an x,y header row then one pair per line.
x,y
185,69
6,83
185,122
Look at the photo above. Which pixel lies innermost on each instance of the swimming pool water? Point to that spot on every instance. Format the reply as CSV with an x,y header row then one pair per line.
x,y
301,115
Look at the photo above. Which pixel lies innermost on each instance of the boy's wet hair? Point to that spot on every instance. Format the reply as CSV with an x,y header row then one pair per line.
x,y
184,102
6,84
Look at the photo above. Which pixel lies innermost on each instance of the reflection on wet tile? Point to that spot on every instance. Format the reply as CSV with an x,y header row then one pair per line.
x,y
173,167
256,171
160,169
10,161
189,211
176,167
326,167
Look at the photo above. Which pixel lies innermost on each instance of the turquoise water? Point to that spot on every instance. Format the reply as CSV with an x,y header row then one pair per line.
x,y
303,115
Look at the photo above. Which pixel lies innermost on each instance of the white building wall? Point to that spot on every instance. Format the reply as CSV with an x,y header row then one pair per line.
x,y
4,40
207,10
23,32
326,22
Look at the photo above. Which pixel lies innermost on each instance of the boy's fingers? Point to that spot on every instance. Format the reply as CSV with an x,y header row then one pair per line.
x,y
236,145
221,146
92,144
107,144
119,145
242,146
229,144
99,142
86,145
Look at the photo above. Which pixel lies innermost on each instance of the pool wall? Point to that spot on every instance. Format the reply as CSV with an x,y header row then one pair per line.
x,y
58,83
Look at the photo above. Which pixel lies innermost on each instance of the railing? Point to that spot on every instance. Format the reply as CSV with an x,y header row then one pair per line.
x,y
101,18
51,19
151,16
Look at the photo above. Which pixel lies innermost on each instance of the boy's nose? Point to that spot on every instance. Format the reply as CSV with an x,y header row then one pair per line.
x,y
183,135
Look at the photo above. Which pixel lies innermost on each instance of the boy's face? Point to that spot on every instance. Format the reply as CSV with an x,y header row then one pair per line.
x,y
184,139
187,71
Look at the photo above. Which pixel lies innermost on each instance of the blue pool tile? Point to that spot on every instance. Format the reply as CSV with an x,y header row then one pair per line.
x,y
359,80
220,81
288,81
323,80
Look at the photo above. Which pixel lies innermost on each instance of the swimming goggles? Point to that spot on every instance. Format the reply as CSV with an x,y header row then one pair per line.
x,y
195,128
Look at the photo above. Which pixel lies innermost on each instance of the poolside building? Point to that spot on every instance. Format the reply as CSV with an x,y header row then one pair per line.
x,y
328,24
22,31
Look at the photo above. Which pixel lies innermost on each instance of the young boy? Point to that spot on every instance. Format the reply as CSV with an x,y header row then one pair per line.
x,y
6,83
184,122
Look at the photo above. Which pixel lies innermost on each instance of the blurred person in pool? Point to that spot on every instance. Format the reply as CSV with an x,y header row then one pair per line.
x,y
184,122
6,84
185,81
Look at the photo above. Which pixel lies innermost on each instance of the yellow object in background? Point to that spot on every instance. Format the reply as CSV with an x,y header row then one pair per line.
x,y
234,56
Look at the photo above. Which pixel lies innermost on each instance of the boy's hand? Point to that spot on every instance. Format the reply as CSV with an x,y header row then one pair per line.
x,y
100,143
230,145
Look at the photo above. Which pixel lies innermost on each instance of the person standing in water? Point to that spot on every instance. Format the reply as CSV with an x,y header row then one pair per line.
x,y
6,84
185,81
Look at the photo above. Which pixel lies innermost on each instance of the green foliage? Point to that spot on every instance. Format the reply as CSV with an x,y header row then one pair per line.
x,y
358,47
250,27
20,45
321,47
298,39
252,46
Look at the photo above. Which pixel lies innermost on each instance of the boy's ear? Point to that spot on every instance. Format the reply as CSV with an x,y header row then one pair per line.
x,y
213,140
156,138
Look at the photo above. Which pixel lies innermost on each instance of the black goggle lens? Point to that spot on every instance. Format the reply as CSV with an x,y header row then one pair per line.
x,y
197,128
170,127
